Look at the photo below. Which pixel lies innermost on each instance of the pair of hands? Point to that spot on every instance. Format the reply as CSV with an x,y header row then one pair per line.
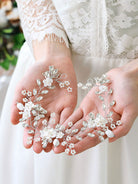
x,y
125,93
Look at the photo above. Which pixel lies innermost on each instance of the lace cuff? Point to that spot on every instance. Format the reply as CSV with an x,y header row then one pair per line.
x,y
39,20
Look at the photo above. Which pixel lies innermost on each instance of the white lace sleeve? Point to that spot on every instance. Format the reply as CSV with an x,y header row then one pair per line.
x,y
39,20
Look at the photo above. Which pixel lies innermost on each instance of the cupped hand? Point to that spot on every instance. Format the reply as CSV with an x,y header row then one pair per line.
x,y
59,100
124,83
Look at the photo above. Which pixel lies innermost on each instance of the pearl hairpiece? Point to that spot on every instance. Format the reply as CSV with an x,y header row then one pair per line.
x,y
32,112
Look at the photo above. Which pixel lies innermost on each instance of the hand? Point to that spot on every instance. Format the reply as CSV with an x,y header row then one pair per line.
x,y
57,100
125,93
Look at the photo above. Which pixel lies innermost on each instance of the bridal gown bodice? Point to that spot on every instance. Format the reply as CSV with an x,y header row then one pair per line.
x,y
106,28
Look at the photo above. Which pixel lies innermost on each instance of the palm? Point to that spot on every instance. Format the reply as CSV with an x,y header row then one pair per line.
x,y
126,108
57,100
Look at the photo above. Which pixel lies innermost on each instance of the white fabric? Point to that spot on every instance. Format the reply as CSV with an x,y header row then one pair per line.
x,y
92,56
40,20
101,28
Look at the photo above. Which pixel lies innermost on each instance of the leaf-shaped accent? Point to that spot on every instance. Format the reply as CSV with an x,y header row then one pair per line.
x,y
25,100
52,87
37,118
20,106
39,98
38,82
44,92
34,92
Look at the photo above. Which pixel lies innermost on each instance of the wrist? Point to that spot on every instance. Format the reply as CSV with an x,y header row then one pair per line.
x,y
47,49
131,70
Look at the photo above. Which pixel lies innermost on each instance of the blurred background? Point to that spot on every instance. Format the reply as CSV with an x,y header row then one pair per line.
x,y
11,40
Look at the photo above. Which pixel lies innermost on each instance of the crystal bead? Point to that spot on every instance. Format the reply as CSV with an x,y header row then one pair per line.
x,y
118,123
50,140
71,146
91,135
91,115
25,100
109,114
29,93
37,139
88,84
34,92
56,142
73,152
23,92
112,126
35,124
39,98
52,115
31,132
78,138
62,128
75,131
101,98
104,106
67,150
101,138
44,122
68,131
38,82
29,142
37,118
84,87
44,145
67,83
63,143
25,125
68,138
61,85
102,133
51,68
60,135
69,89
34,112
70,124
80,85
110,91
20,106
85,124
44,92
109,133
83,129
113,103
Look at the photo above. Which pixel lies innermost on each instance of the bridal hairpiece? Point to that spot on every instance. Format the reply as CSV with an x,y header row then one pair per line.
x,y
52,132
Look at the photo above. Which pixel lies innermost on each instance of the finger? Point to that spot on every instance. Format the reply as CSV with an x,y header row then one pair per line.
x,y
127,119
28,136
78,127
86,143
65,114
37,144
83,133
53,121
15,116
76,116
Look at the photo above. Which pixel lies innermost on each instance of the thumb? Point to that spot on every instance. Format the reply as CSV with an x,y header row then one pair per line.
x,y
18,98
127,120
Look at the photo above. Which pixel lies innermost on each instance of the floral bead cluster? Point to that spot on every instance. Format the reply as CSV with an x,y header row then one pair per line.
x,y
101,125
52,132
31,109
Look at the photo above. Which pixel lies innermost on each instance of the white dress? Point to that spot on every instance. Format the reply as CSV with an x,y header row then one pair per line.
x,y
102,34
